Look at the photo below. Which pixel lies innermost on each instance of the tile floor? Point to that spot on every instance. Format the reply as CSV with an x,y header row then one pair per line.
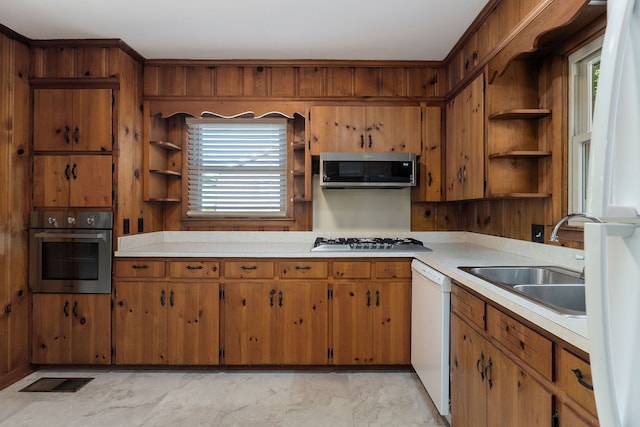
x,y
229,398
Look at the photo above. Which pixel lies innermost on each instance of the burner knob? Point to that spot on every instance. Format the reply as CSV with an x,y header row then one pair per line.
x,y
71,220
91,220
52,220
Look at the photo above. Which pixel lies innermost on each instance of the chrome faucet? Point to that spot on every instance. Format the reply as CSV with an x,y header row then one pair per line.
x,y
554,233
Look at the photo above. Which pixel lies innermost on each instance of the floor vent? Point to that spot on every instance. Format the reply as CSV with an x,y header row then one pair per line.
x,y
62,385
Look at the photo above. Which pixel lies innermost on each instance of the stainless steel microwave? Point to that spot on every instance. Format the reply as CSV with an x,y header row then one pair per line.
x,y
367,170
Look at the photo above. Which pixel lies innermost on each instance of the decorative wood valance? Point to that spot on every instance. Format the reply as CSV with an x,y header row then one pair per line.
x,y
226,108
538,29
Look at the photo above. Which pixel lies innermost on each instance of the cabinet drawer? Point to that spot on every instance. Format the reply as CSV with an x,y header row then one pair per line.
x,y
351,270
194,269
393,269
303,269
569,368
467,306
524,342
249,269
139,268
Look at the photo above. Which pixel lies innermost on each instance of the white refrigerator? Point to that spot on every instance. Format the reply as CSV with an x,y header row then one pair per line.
x,y
612,248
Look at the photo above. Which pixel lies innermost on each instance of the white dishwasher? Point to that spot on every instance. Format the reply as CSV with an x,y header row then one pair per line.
x,y
430,299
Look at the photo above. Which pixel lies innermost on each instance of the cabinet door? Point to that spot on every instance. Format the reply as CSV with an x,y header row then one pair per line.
x,y
352,329
337,129
141,322
91,181
302,328
465,143
514,397
468,388
391,305
193,324
92,120
91,329
51,175
249,323
396,129
52,119
51,328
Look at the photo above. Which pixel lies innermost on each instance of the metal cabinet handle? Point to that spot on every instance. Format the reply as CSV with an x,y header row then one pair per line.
x,y
429,179
171,297
194,267
66,172
368,298
271,294
488,373
140,266
73,171
303,267
377,298
74,310
249,267
480,365
65,309
580,377
280,299
370,141
361,141
163,296
65,135
76,135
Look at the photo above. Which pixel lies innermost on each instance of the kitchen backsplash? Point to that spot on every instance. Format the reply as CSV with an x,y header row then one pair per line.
x,y
361,209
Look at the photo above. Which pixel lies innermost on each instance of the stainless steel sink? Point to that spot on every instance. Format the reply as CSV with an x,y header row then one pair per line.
x,y
557,288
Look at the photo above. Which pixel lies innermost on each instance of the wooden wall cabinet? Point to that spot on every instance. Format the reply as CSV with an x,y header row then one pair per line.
x,y
430,162
365,128
167,320
72,120
72,181
276,318
465,143
371,313
71,329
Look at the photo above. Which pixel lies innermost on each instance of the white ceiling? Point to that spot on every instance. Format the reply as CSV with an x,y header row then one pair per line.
x,y
254,29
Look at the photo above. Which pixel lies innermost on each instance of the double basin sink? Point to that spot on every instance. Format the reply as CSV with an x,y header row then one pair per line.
x,y
558,289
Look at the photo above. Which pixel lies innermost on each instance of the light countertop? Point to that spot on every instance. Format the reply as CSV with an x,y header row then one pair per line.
x,y
450,250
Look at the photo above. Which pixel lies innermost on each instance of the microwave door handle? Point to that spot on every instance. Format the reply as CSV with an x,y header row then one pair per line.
x,y
70,235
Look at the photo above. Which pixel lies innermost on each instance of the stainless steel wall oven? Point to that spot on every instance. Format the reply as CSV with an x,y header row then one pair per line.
x,y
70,252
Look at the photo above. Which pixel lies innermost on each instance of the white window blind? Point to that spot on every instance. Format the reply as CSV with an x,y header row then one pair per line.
x,y
237,167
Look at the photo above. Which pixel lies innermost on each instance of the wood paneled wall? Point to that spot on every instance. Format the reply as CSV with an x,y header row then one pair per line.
x,y
313,80
15,175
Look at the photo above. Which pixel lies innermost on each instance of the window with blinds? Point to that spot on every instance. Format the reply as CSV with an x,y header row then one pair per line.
x,y
237,167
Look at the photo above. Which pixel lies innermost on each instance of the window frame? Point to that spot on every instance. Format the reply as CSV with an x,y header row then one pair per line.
x,y
243,216
581,104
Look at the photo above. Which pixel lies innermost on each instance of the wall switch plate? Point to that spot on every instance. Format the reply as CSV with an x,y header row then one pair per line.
x,y
537,233
125,226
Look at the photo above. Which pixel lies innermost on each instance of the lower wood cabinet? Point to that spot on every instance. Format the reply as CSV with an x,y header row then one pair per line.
x,y
275,323
371,322
174,323
505,373
71,329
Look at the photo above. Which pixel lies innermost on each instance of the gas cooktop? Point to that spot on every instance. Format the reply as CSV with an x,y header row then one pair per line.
x,y
404,244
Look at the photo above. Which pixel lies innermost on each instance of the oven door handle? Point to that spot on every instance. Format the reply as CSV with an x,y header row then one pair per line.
x,y
46,235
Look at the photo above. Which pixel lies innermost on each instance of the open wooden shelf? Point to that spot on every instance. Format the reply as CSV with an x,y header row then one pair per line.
x,y
166,145
520,114
520,154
